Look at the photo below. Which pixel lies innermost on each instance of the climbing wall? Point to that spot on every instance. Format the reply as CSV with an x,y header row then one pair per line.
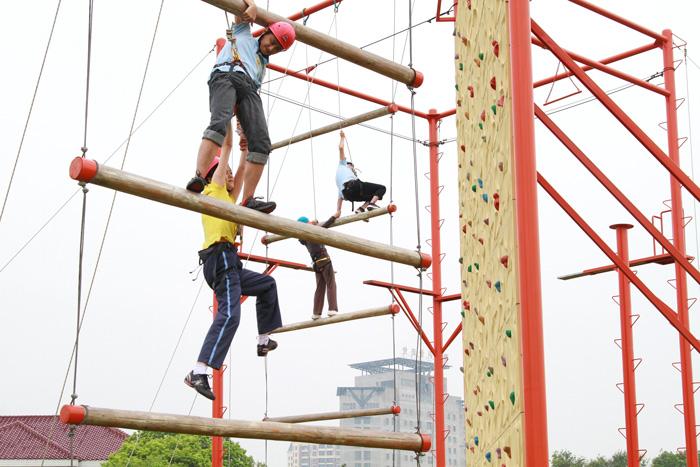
x,y
488,251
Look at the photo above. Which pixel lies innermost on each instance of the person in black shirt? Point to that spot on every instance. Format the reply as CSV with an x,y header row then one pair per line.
x,y
325,276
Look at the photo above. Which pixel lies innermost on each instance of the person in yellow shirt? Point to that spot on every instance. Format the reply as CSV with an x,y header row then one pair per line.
x,y
224,273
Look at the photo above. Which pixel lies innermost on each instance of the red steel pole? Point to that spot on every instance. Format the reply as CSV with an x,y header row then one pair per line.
x,y
627,345
439,436
304,12
217,410
691,445
534,395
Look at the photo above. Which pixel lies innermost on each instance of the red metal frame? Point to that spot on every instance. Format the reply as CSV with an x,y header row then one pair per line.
x,y
627,346
304,13
446,19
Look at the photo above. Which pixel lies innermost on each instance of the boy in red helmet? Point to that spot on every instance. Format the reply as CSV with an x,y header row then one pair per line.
x,y
224,273
234,85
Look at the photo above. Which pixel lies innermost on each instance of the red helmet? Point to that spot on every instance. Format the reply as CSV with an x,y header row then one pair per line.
x,y
212,167
284,33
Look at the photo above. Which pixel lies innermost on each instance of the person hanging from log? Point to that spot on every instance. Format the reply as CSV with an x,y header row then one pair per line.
x,y
325,276
234,87
224,273
351,188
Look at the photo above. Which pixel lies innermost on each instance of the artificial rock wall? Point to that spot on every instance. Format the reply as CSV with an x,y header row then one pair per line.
x,y
488,248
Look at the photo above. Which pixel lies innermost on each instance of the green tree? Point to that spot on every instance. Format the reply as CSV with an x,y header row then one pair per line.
x,y
152,449
669,459
566,459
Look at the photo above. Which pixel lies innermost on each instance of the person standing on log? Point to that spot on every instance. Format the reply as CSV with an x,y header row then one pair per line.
x,y
234,87
325,275
351,188
224,273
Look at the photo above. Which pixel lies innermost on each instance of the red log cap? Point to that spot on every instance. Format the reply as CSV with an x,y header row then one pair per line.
x,y
425,260
396,409
393,108
394,308
73,414
265,240
426,442
82,169
418,80
391,207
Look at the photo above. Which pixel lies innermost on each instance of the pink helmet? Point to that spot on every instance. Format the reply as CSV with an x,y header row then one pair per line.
x,y
284,33
212,167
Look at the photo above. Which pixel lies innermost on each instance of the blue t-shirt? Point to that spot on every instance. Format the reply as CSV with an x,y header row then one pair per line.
x,y
248,51
342,175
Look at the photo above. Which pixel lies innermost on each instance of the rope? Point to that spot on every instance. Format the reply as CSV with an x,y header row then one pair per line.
x,y
31,108
311,146
177,445
391,239
690,144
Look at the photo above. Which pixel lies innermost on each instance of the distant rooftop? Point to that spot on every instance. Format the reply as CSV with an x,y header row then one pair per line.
x,y
387,366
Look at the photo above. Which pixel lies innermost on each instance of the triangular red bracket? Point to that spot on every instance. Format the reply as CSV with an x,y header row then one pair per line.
x,y
679,102
440,188
681,141
676,365
676,406
691,302
621,430
635,318
442,256
663,126
672,283
617,343
549,94
687,220
620,387
643,453
616,299
637,362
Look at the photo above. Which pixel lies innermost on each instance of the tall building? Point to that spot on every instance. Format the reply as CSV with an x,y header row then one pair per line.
x,y
374,388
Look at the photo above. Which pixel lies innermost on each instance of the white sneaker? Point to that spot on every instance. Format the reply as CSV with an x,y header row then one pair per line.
x,y
315,317
332,313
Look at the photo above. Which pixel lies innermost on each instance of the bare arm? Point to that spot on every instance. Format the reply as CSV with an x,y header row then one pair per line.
x,y
219,176
341,146
238,176
338,208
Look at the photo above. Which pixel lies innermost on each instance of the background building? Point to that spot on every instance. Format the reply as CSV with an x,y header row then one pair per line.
x,y
374,388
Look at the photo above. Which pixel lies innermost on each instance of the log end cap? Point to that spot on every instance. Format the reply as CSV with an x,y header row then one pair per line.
x,y
72,414
425,260
396,410
391,207
418,79
394,308
82,169
393,108
425,442
265,240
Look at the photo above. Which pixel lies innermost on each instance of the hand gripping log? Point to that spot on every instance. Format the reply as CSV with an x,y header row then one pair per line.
x,y
339,318
87,170
330,44
356,120
390,208
187,424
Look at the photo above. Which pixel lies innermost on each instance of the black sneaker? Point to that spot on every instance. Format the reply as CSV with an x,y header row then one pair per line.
x,y
200,383
196,184
264,349
372,206
257,204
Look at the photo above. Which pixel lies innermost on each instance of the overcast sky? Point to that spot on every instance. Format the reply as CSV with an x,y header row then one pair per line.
x,y
143,291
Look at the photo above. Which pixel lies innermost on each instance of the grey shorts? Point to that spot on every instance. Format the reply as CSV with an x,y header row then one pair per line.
x,y
236,92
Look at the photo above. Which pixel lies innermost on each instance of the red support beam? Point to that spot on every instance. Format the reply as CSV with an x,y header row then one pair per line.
x,y
403,288
609,70
527,231
305,12
605,61
449,298
398,296
344,90
617,194
627,345
452,337
691,444
617,112
618,19
665,310
277,262
656,259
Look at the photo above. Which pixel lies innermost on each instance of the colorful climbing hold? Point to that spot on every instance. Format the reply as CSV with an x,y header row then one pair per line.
x,y
481,55
482,117
464,230
498,452
512,397
503,360
486,221
504,261
480,182
481,126
496,47
497,201
488,284
509,333
488,456
476,265
470,88
500,100
474,188
476,440
500,166
482,320
469,268
493,83
463,147
477,62
466,305
506,449
497,285
485,197
461,313
493,109
492,404
461,66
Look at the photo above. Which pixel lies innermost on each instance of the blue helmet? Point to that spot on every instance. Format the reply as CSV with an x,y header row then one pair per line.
x,y
303,219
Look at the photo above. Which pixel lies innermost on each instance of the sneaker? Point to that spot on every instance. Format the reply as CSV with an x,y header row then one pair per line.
x,y
359,210
372,207
196,184
200,383
332,313
315,317
257,204
264,349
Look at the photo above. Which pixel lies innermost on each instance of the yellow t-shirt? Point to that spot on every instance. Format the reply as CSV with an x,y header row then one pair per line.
x,y
215,229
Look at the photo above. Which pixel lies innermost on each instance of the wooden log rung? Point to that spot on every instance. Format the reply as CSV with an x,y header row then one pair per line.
x,y
317,417
86,170
365,117
191,425
339,318
390,208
